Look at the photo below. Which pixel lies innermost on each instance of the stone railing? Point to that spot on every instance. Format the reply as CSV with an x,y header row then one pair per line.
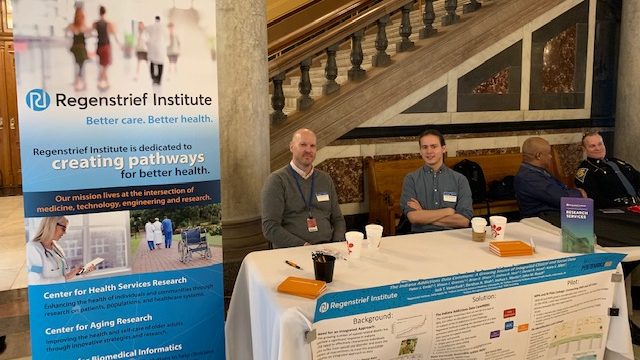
x,y
296,52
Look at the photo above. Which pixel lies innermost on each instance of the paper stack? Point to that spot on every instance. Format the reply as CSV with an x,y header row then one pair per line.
x,y
308,288
510,248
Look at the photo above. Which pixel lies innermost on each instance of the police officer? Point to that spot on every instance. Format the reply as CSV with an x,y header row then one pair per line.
x,y
610,182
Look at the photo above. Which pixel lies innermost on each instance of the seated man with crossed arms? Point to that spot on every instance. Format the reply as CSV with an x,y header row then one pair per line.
x,y
435,197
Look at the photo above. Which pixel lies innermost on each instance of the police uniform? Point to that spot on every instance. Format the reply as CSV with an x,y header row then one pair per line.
x,y
601,182
45,266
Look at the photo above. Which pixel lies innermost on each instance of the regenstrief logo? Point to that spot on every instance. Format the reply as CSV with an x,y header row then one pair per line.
x,y
38,100
324,307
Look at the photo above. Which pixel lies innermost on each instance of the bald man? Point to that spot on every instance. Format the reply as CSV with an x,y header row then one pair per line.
x,y
537,191
299,202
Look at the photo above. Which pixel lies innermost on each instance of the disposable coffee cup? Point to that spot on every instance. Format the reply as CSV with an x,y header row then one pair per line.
x,y
478,229
498,225
374,234
323,267
354,243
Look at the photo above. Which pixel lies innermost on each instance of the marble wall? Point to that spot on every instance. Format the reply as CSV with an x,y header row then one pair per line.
x,y
542,72
547,67
344,160
628,107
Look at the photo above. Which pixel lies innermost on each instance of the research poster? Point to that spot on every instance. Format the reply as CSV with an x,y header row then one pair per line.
x,y
555,309
118,105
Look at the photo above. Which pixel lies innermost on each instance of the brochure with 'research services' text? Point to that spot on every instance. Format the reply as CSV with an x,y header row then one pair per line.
x,y
576,218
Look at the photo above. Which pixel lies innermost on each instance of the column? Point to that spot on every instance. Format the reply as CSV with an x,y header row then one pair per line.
x,y
244,126
627,130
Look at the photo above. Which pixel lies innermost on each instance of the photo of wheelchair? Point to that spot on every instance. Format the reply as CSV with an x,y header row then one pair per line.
x,y
193,241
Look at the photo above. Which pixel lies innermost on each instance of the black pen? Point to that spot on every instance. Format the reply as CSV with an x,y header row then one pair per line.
x,y
292,264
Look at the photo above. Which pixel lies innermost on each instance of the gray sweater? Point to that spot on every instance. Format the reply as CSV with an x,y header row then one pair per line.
x,y
284,214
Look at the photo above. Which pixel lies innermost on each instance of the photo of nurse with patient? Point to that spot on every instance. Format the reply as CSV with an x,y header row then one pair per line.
x,y
46,261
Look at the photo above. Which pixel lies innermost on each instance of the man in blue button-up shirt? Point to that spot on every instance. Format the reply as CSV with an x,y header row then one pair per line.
x,y
435,197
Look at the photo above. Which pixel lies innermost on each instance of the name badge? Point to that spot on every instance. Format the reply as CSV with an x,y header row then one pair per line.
x,y
450,197
312,225
322,196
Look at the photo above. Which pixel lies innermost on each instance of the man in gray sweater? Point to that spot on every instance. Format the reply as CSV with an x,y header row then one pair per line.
x,y
300,203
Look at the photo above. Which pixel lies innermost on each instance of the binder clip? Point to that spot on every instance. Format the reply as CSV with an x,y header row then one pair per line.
x,y
616,277
309,336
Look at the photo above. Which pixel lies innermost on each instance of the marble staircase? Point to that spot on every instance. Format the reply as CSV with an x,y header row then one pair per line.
x,y
317,71
332,116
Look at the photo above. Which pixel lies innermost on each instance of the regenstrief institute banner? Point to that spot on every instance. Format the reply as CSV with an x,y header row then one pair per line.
x,y
121,178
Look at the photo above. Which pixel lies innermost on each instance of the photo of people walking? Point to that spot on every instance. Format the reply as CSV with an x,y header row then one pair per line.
x,y
79,31
113,43
105,30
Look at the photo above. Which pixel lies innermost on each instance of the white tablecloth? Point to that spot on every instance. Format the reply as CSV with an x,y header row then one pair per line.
x,y
264,324
633,252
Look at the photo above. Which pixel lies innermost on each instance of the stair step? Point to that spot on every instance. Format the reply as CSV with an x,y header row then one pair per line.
x,y
343,56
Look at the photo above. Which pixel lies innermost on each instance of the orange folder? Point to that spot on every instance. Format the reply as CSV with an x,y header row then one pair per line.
x,y
510,248
308,288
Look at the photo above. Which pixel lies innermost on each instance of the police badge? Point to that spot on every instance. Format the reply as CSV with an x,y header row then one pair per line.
x,y
581,174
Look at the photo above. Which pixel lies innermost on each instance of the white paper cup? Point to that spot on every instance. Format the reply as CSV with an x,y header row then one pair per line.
x,y
478,224
374,234
498,225
354,243
478,228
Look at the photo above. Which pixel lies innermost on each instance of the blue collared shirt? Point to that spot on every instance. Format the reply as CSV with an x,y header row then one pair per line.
x,y
436,189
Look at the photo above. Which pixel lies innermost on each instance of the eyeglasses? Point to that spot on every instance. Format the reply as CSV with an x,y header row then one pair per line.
x,y
64,227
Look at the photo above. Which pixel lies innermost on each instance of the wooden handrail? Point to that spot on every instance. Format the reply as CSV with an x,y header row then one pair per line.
x,y
318,26
292,12
335,35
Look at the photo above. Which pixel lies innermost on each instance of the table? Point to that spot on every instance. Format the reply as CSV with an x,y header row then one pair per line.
x,y
265,324
633,252
611,229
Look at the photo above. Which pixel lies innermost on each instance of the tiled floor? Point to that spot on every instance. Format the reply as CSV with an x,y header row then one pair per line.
x,y
14,313
12,239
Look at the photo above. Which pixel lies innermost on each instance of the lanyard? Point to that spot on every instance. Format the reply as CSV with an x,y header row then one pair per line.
x,y
307,205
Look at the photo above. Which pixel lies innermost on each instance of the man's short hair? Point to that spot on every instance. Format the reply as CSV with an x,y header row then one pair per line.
x,y
589,133
433,132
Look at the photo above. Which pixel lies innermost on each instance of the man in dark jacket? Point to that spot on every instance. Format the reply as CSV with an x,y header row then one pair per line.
x,y
610,182
537,190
